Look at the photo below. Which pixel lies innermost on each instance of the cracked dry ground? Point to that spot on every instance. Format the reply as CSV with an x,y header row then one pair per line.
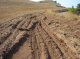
x,y
30,37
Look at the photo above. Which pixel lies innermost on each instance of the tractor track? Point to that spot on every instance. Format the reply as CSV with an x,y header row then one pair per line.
x,y
28,37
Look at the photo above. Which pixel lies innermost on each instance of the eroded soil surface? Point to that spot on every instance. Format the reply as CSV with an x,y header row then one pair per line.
x,y
39,36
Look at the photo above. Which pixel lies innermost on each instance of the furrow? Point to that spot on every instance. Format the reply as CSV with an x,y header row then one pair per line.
x,y
52,47
61,44
44,54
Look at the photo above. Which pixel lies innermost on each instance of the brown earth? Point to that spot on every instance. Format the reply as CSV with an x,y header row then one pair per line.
x,y
39,36
38,31
10,10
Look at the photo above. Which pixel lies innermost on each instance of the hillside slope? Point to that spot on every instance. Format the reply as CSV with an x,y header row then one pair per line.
x,y
43,30
9,10
14,1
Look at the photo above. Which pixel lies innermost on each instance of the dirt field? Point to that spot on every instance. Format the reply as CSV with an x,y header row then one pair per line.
x,y
39,36
46,32
10,10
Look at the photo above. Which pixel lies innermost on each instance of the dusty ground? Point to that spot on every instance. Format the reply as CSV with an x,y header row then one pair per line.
x,y
33,33
40,36
10,10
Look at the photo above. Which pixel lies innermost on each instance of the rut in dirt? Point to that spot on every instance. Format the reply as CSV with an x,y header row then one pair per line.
x,y
27,37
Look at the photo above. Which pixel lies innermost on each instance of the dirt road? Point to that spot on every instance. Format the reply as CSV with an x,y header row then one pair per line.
x,y
29,37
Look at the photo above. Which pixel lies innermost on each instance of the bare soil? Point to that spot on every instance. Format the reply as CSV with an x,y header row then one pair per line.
x,y
40,35
38,31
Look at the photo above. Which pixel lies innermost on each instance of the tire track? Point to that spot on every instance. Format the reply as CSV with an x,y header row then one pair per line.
x,y
30,38
61,44
12,40
35,47
52,47
42,47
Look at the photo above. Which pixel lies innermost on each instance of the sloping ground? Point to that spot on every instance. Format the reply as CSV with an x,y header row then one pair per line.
x,y
10,10
39,36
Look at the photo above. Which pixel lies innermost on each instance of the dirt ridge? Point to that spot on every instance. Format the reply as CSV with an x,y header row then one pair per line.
x,y
29,37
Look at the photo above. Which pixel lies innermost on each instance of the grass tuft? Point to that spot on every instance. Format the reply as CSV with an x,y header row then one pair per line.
x,y
72,10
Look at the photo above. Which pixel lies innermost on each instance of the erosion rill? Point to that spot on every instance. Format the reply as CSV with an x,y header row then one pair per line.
x,y
29,37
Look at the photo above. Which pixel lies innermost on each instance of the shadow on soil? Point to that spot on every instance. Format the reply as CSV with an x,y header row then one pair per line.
x,y
16,47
